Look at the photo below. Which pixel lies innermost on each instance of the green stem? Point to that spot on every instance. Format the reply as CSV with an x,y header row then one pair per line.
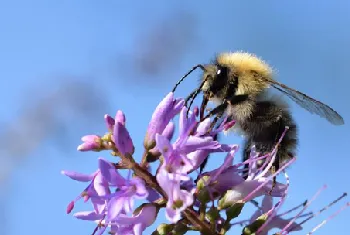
x,y
144,163
225,227
202,210
204,227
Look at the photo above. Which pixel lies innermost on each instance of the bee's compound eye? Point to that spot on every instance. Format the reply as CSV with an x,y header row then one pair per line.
x,y
218,72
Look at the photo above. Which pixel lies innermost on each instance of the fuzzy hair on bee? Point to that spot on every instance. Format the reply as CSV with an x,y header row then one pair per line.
x,y
249,68
260,118
238,83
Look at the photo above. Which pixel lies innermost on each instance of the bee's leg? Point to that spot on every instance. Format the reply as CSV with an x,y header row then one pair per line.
x,y
203,106
275,166
222,107
190,96
246,156
216,119
279,154
218,109
237,99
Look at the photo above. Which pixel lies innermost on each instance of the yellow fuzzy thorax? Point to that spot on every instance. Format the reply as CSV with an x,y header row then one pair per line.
x,y
249,69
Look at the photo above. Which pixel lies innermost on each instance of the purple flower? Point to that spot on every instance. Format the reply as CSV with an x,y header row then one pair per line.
x,y
123,199
122,139
120,117
256,184
225,177
113,196
220,180
178,199
98,187
89,215
165,111
197,157
250,189
91,142
276,222
109,206
124,224
241,191
109,122
176,156
167,133
121,136
110,174
137,223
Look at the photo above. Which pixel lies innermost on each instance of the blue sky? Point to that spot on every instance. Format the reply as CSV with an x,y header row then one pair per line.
x,y
64,64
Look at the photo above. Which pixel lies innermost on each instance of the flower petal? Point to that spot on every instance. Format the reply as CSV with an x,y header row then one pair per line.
x,y
195,143
169,131
115,207
163,145
88,215
266,204
98,204
120,117
240,191
109,122
147,215
122,139
152,195
203,127
138,229
159,120
78,176
141,191
278,191
91,142
110,173
172,215
101,185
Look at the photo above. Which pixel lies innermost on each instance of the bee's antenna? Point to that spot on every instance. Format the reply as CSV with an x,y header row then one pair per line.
x,y
188,73
194,95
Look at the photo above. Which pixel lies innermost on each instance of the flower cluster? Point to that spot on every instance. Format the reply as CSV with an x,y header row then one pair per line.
x,y
210,202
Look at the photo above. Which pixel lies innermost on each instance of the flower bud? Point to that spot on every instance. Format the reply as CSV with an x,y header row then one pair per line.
x,y
226,201
122,139
213,214
165,111
234,210
109,122
120,117
70,207
165,229
253,227
91,143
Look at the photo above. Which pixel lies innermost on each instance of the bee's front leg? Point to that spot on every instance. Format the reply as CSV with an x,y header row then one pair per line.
x,y
220,109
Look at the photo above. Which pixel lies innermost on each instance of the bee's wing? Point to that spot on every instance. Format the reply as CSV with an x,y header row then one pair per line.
x,y
308,103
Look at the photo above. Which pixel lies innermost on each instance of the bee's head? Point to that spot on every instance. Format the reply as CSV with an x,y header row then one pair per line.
x,y
246,73
217,78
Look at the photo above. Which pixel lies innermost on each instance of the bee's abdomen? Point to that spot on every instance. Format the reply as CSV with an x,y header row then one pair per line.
x,y
266,125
